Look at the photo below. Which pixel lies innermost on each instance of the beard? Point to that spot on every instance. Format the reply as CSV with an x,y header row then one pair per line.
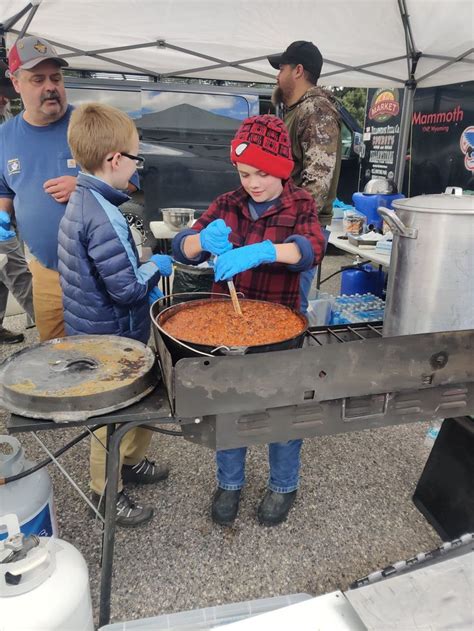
x,y
277,96
283,95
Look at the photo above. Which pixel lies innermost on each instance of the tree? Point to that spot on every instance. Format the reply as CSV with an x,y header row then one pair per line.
x,y
354,100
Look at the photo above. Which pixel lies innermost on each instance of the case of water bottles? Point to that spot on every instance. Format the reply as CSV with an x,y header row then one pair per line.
x,y
357,308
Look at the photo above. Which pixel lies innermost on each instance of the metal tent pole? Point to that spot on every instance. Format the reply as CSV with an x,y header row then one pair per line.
x,y
31,15
8,24
462,58
361,69
413,56
405,127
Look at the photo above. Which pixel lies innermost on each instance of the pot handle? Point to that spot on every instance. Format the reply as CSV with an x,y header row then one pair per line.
x,y
231,350
396,224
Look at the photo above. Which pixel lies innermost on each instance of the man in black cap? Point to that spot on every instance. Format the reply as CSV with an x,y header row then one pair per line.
x,y
312,117
7,93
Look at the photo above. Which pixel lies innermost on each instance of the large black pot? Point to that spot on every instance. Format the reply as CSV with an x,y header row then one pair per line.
x,y
165,307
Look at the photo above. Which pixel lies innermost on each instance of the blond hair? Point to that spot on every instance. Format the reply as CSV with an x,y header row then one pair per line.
x,y
96,130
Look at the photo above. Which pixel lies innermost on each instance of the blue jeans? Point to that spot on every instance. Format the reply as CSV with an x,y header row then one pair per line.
x,y
306,278
284,460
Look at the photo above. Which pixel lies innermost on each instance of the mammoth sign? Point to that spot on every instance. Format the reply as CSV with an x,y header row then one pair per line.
x,y
442,139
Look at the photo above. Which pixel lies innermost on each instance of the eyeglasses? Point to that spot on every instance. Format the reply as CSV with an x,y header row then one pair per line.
x,y
138,160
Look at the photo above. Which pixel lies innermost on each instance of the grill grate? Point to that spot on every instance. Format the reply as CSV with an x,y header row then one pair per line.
x,y
337,334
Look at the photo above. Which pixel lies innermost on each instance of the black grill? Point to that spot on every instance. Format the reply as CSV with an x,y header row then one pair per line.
x,y
344,378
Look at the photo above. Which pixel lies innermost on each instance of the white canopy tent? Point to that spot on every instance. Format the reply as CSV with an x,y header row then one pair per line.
x,y
365,43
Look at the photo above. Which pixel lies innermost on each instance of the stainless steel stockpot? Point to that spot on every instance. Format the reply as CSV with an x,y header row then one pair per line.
x,y
431,278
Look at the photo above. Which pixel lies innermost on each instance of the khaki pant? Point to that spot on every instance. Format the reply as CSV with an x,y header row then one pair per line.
x,y
132,450
47,302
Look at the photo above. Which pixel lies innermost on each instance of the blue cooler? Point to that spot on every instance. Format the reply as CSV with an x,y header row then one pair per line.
x,y
367,203
362,280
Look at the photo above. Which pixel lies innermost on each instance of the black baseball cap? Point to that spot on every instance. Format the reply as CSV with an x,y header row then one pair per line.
x,y
6,88
301,52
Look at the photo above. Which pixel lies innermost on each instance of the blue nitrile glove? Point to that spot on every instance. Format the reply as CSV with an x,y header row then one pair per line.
x,y
164,263
154,294
214,238
5,232
242,259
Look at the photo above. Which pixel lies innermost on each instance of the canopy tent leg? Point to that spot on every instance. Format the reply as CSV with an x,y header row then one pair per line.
x,y
413,56
405,128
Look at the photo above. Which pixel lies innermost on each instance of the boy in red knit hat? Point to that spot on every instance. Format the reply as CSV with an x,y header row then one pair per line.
x,y
264,234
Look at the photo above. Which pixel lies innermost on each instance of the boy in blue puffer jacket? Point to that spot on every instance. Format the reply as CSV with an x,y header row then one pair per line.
x,y
106,291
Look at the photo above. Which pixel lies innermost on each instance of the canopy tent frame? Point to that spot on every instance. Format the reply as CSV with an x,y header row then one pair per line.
x,y
98,53
412,55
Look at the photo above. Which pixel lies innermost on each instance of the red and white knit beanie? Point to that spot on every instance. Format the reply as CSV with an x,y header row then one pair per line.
x,y
263,142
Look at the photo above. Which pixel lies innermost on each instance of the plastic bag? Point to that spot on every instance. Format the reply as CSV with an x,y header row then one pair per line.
x,y
189,278
354,222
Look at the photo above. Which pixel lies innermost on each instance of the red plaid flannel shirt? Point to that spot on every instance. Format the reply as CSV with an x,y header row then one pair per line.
x,y
294,214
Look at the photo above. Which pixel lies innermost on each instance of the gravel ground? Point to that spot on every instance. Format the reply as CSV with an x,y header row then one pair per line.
x,y
353,515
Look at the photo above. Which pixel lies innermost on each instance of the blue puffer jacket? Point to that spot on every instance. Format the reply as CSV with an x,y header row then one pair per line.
x,y
104,286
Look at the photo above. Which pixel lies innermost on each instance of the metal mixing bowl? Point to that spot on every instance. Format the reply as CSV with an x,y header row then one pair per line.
x,y
178,218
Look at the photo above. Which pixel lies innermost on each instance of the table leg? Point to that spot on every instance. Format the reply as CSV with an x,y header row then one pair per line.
x,y
108,540
318,276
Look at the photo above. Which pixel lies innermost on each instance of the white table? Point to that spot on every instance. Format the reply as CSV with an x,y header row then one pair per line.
x,y
368,254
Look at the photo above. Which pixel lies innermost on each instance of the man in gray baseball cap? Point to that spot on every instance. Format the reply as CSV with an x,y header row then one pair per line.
x,y
37,171
34,68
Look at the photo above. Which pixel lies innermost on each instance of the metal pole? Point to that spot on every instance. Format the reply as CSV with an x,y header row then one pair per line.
x,y
108,540
28,20
10,22
413,56
405,128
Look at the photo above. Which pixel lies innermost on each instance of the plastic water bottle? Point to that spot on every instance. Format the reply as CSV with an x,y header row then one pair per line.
x,y
432,433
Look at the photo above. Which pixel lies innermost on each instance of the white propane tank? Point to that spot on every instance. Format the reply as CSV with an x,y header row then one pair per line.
x,y
31,497
44,583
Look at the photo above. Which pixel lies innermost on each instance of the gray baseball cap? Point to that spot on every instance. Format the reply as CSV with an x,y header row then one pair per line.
x,y
29,51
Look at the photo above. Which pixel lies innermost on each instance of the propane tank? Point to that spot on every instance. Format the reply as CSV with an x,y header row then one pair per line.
x,y
31,497
44,583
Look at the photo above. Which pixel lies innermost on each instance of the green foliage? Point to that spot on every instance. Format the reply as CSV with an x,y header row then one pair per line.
x,y
354,100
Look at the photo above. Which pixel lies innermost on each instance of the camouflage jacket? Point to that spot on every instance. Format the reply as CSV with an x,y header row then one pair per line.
x,y
315,133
